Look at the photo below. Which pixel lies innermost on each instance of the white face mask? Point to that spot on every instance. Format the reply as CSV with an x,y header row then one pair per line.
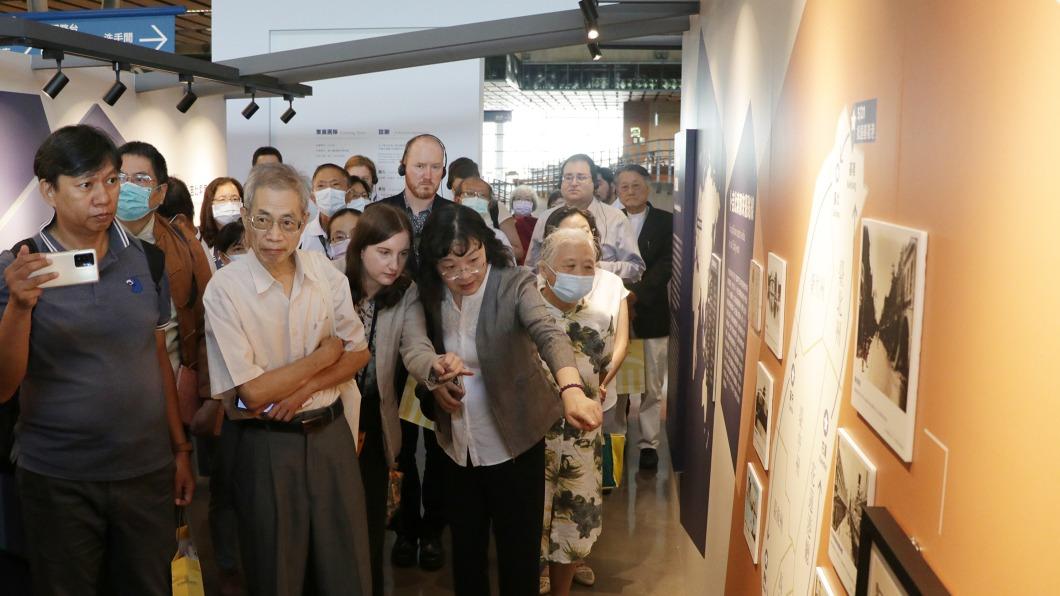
x,y
226,212
523,207
232,258
330,200
337,250
571,288
359,204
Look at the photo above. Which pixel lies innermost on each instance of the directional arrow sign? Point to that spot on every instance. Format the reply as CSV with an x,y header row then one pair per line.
x,y
153,28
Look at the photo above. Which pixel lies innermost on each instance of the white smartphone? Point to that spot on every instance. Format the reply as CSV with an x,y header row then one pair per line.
x,y
242,406
73,266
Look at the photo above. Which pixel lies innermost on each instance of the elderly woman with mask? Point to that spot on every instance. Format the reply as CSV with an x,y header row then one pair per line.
x,y
589,303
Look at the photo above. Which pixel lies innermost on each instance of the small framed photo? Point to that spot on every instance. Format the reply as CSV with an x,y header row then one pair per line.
x,y
822,585
752,512
853,489
763,414
754,297
888,564
776,284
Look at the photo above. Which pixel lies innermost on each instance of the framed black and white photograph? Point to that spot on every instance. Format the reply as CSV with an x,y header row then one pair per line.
x,y
888,563
889,322
822,585
752,512
853,489
754,297
776,282
763,414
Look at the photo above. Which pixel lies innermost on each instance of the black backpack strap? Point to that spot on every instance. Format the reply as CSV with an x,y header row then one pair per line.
x,y
156,262
27,242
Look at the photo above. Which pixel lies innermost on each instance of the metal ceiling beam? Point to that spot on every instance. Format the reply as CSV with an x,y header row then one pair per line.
x,y
463,42
24,32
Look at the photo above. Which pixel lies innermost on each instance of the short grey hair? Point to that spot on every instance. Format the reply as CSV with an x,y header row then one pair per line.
x,y
277,176
562,237
525,192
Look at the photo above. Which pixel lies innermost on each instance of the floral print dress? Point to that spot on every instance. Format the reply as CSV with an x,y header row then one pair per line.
x,y
574,459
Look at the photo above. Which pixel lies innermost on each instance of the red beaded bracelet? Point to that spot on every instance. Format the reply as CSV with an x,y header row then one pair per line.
x,y
571,386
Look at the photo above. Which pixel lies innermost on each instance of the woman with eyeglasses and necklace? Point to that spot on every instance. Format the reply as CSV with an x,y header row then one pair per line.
x,y
222,204
490,313
388,304
284,345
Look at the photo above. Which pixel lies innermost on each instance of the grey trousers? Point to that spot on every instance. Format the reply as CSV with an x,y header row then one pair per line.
x,y
300,504
113,537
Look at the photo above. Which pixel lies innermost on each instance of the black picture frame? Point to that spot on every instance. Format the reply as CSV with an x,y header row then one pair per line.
x,y
879,529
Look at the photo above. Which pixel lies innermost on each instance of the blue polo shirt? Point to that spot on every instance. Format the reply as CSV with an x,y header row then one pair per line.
x,y
92,404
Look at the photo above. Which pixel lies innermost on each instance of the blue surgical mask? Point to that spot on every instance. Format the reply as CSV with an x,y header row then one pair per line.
x,y
330,200
479,204
134,202
571,288
523,207
359,204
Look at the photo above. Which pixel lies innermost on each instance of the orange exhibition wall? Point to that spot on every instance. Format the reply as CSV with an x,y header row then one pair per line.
x,y
967,149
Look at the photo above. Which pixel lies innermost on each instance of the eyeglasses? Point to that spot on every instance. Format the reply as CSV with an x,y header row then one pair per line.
x,y
580,178
360,195
264,223
454,273
473,195
340,237
228,198
140,179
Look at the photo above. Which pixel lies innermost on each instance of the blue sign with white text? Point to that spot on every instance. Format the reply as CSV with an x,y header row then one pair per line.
x,y
153,28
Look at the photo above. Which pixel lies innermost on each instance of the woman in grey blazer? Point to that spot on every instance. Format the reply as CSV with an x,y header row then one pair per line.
x,y
388,305
490,313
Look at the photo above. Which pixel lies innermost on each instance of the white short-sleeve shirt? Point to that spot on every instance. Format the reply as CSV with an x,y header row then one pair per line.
x,y
252,327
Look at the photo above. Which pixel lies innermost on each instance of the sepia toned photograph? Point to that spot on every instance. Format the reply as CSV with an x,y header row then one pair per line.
x,y
763,414
853,489
754,297
752,508
776,281
889,320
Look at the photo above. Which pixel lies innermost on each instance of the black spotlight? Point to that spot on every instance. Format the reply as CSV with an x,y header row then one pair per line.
x,y
594,49
289,112
252,107
116,89
57,82
590,14
189,96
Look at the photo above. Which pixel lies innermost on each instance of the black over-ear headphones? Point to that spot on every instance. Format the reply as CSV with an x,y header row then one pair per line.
x,y
445,155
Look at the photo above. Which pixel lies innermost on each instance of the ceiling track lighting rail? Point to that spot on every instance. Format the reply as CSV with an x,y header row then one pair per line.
x,y
56,43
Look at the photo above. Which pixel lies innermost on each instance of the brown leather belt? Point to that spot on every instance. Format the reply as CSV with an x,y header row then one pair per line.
x,y
305,422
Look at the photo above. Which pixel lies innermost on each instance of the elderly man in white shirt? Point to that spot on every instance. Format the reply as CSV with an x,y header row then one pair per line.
x,y
285,342
618,246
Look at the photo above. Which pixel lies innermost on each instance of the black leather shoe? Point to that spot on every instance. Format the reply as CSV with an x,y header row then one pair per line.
x,y
404,552
649,459
432,555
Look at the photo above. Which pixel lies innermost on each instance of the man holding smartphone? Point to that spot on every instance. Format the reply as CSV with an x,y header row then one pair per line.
x,y
103,456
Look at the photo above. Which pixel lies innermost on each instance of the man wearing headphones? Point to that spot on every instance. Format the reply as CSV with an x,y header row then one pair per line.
x,y
423,166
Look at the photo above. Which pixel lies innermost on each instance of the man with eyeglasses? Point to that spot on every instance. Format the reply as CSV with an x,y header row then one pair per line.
x,y
618,246
284,344
144,180
331,188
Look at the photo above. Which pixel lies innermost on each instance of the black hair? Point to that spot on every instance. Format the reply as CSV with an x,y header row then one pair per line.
x,y
265,151
362,182
177,201
147,151
562,213
228,236
594,170
606,174
456,230
494,211
379,224
462,167
340,213
634,168
74,151
325,166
